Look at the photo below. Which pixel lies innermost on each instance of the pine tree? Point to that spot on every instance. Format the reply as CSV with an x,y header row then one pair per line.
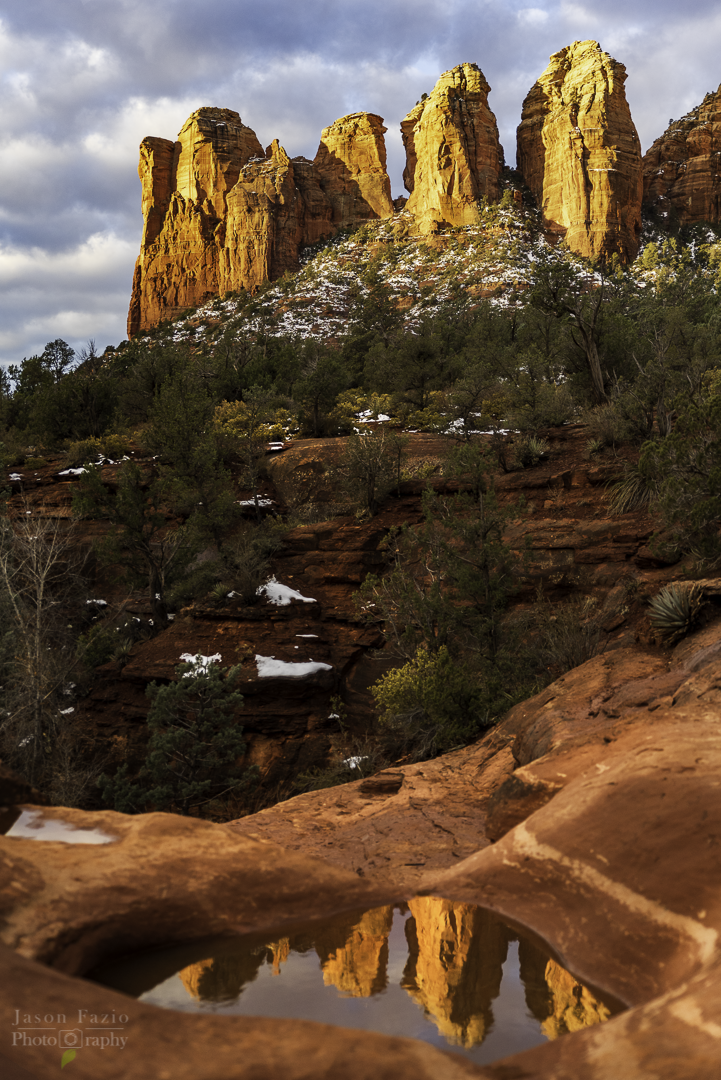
x,y
194,745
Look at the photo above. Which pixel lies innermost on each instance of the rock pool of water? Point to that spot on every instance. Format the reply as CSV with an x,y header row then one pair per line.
x,y
451,974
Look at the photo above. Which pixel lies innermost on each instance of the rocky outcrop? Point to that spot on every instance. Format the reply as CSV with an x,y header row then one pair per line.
x,y
220,214
579,153
453,156
681,179
276,207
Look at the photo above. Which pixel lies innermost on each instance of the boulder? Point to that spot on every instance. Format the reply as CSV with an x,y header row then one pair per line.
x,y
681,169
579,153
453,156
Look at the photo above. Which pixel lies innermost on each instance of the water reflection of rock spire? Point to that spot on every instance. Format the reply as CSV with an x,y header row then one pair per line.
x,y
354,957
222,978
558,1001
454,969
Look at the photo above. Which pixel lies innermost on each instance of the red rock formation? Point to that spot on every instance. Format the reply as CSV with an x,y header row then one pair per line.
x,y
184,193
356,964
221,215
453,156
681,169
579,153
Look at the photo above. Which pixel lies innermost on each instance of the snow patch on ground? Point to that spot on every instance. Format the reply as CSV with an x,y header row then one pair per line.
x,y
270,668
281,595
201,664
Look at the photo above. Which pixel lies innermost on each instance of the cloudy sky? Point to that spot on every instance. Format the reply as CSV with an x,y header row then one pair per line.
x,y
83,81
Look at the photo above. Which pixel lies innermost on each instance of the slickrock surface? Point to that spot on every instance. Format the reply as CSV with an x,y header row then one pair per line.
x,y
681,168
619,871
221,214
453,156
579,153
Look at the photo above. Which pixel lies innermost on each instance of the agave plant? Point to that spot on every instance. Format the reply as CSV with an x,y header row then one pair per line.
x,y
675,610
632,492
594,446
121,653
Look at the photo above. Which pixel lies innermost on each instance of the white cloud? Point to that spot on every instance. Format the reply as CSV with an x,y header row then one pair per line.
x,y
75,294
533,16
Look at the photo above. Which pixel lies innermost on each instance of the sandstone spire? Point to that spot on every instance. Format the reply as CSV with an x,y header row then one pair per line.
x,y
351,167
579,153
453,156
185,186
681,169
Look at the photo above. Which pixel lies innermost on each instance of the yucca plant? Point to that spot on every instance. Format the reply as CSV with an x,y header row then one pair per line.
x,y
219,592
675,610
594,446
633,491
121,652
532,450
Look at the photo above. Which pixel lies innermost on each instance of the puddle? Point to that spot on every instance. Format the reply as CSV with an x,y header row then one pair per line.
x,y
450,974
33,825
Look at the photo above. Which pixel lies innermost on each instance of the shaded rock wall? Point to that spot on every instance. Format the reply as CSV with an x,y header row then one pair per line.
x,y
579,153
453,156
220,214
681,169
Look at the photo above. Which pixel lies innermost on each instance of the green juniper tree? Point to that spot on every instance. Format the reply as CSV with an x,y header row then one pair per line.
x,y
194,745
144,537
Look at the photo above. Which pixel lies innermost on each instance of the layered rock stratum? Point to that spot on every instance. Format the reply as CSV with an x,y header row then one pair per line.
x,y
453,154
221,214
681,169
579,153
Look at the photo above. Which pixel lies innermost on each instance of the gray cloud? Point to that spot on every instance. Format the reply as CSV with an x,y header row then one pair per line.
x,y
84,80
